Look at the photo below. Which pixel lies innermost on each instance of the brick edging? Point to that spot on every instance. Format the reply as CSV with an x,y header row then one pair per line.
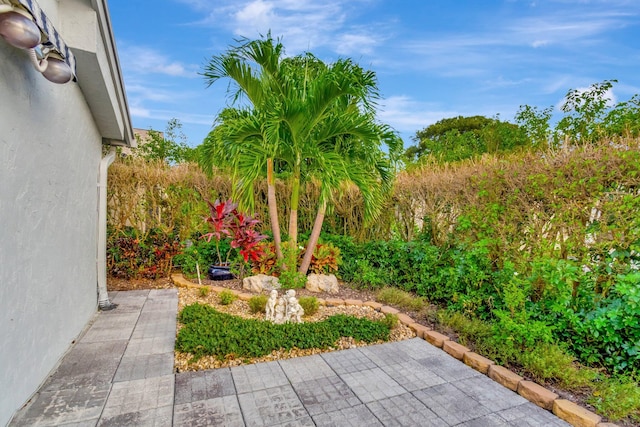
x,y
566,410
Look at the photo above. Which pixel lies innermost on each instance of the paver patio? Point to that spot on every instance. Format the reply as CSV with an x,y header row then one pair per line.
x,y
121,373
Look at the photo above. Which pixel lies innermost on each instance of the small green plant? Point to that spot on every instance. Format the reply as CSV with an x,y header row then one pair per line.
x,y
310,305
390,320
227,297
292,279
400,298
204,291
258,304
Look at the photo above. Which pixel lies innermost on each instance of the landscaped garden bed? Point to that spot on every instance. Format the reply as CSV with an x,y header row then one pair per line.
x,y
188,297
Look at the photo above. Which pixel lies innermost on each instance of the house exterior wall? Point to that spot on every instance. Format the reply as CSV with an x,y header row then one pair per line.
x,y
50,150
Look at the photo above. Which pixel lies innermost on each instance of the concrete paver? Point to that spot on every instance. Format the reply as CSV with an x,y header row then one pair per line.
x,y
120,373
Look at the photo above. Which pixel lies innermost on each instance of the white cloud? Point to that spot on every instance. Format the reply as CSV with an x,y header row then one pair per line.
x,y
349,44
406,115
139,112
143,60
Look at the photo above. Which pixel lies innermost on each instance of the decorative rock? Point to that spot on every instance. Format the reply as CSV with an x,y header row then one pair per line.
x,y
356,302
477,362
454,349
575,415
505,377
322,283
260,282
375,305
332,302
537,394
435,338
245,296
404,319
388,310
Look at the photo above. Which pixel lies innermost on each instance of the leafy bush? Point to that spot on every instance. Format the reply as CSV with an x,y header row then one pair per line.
x,y
204,291
292,279
209,332
227,297
258,304
134,255
310,305
202,252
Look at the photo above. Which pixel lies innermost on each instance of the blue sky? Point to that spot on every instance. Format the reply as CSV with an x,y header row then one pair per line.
x,y
434,58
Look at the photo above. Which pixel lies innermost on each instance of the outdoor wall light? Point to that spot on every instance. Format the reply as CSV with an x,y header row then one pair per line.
x,y
18,28
52,66
25,26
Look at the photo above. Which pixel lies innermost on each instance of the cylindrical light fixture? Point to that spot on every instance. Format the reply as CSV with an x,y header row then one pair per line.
x,y
18,29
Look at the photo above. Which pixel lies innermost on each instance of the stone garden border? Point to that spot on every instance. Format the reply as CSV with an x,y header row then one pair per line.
x,y
564,409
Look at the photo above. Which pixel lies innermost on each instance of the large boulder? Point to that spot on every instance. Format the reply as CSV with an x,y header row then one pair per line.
x,y
260,282
322,283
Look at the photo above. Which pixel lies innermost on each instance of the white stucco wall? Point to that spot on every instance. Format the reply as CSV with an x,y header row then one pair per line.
x,y
50,150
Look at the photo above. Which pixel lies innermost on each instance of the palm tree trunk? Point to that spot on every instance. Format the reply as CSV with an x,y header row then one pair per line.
x,y
293,216
273,208
313,239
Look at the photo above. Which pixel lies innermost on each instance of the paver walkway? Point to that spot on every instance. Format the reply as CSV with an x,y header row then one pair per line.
x,y
120,373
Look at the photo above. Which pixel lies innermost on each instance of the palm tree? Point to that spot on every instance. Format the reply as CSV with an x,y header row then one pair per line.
x,y
316,120
240,142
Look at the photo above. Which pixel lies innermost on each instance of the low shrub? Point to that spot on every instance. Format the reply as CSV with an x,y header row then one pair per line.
x,y
404,300
310,305
391,320
258,304
207,331
227,297
204,291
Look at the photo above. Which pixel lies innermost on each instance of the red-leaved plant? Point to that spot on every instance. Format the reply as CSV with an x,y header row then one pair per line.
x,y
228,223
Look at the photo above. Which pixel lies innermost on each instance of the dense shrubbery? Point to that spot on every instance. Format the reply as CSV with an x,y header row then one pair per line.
x,y
547,248
129,255
209,332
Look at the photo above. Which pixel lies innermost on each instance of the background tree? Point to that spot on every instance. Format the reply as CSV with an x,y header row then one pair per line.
x,y
170,147
461,137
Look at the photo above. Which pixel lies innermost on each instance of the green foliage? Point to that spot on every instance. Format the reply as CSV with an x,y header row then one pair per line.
x,y
391,320
202,252
227,297
399,298
292,279
165,147
258,304
611,332
131,255
209,332
586,110
310,305
618,398
204,291
460,138
326,259
535,123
